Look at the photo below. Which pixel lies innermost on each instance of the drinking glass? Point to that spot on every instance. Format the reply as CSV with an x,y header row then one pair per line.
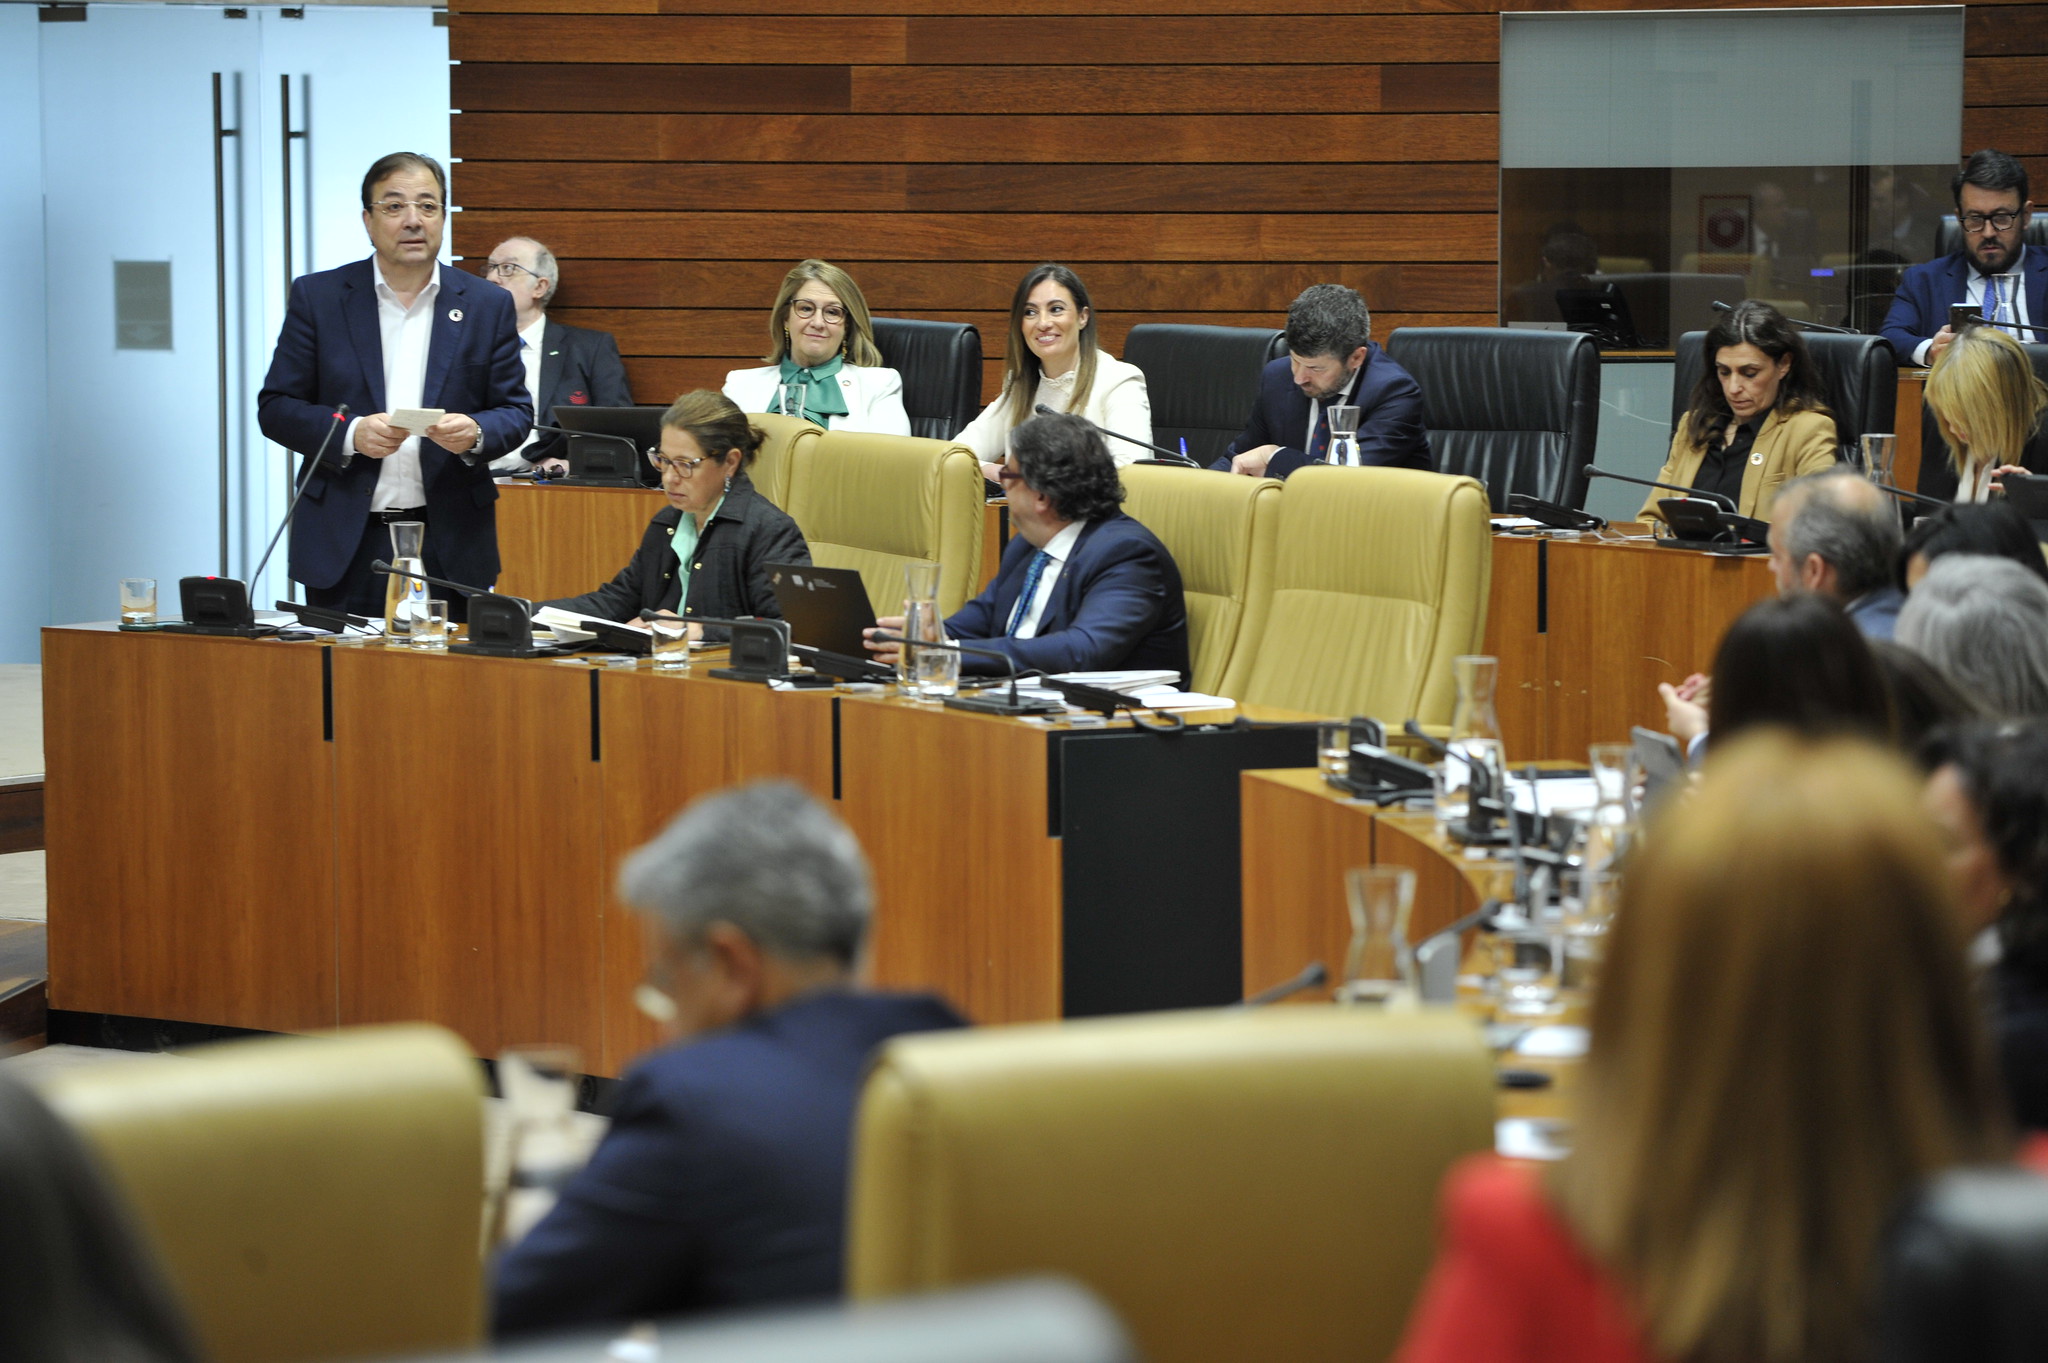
x,y
430,630
671,643
937,673
920,621
1344,435
138,600
1380,967
1333,747
1878,453
790,398
1586,919
1527,956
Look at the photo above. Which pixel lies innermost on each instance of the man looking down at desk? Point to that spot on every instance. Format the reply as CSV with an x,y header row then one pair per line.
x,y
396,332
707,552
722,1181
1834,534
1993,271
1330,362
1082,586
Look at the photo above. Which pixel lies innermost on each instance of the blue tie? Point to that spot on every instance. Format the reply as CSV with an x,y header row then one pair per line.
x,y
1319,441
1992,311
1024,598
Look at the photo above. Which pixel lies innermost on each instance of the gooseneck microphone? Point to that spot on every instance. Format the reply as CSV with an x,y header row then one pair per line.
x,y
1312,975
386,570
1013,704
339,423
1726,503
1165,455
1976,318
1802,323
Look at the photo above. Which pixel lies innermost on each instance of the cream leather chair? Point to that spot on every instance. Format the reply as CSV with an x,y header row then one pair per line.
x,y
773,462
1380,579
1219,527
310,1197
1236,1185
878,502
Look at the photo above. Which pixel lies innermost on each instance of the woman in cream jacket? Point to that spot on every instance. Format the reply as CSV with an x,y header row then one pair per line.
x,y
822,337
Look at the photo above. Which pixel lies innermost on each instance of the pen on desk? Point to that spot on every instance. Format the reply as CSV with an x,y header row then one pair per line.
x,y
1183,447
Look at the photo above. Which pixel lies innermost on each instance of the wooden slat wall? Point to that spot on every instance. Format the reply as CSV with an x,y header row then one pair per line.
x,y
1195,160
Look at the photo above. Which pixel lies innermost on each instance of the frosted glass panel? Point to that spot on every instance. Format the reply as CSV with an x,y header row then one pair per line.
x,y
1835,87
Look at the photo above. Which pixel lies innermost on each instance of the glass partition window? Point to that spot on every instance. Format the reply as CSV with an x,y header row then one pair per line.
x,y
1655,163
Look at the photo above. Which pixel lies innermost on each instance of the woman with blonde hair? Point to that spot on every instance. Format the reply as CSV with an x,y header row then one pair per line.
x,y
1784,1044
821,336
1053,359
1988,402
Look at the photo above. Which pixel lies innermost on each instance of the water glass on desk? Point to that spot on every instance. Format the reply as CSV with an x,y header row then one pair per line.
x,y
671,643
1379,969
790,398
138,600
1333,747
1878,453
430,630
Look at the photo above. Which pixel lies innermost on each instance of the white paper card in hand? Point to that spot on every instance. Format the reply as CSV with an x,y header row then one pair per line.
x,y
415,419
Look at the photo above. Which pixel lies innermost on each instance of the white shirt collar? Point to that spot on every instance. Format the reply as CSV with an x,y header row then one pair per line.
x,y
532,334
1062,544
384,289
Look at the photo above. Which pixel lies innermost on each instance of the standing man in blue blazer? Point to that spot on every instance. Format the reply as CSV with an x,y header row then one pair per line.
x,y
1330,362
1082,586
395,333
1993,272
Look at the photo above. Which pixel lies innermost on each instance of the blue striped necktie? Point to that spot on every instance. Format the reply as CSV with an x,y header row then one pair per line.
x,y
1031,576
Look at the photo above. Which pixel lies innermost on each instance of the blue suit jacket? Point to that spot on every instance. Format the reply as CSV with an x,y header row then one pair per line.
x,y
1117,604
1391,430
331,351
722,1181
1920,307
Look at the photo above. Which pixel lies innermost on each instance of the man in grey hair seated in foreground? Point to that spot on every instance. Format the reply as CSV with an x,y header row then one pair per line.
x,y
722,1181
1836,534
1984,623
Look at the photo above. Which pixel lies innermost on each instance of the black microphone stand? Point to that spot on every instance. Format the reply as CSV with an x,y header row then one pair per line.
x,y
1166,456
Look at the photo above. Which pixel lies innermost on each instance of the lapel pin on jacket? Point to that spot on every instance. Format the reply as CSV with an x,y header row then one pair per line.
x,y
455,314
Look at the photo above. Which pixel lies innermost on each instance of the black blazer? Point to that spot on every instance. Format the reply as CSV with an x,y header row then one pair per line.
x,y
728,577
579,367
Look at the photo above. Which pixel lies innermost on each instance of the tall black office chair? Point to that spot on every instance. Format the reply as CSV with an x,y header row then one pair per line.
x,y
1519,410
941,367
1965,1271
1937,478
1859,373
1202,381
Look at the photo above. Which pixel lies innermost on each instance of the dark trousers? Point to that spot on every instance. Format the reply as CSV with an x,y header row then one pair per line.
x,y
361,591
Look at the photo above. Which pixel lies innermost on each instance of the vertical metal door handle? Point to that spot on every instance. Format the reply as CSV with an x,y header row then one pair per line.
x,y
221,134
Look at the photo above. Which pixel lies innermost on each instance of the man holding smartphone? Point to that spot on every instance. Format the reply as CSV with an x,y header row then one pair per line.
x,y
1992,273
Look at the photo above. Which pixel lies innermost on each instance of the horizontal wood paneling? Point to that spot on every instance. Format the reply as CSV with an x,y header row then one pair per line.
x,y
1268,8
952,287
2005,80
636,185
955,236
2003,31
1228,40
811,139
481,87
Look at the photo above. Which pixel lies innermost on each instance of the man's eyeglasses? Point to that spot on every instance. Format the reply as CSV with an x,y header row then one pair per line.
x,y
2001,221
1006,475
682,468
506,269
804,310
394,209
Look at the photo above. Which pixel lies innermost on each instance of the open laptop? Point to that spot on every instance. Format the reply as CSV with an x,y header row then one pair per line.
x,y
827,610
611,444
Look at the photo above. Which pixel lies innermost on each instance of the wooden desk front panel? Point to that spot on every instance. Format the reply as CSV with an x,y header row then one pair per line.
x,y
564,541
469,814
668,739
1293,867
187,811
1514,618
951,808
1624,617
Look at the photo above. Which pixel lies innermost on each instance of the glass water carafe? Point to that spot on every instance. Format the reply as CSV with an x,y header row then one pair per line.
x,y
405,598
1475,736
1344,436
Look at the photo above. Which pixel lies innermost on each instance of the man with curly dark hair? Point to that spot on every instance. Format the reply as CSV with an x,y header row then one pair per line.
x,y
1082,586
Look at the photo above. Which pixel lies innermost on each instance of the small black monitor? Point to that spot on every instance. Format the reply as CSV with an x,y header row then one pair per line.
x,y
610,444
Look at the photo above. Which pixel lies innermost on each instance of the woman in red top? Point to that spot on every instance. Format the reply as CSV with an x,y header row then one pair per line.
x,y
1783,1045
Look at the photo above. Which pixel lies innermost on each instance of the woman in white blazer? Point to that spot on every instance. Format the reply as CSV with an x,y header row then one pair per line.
x,y
1053,359
822,337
